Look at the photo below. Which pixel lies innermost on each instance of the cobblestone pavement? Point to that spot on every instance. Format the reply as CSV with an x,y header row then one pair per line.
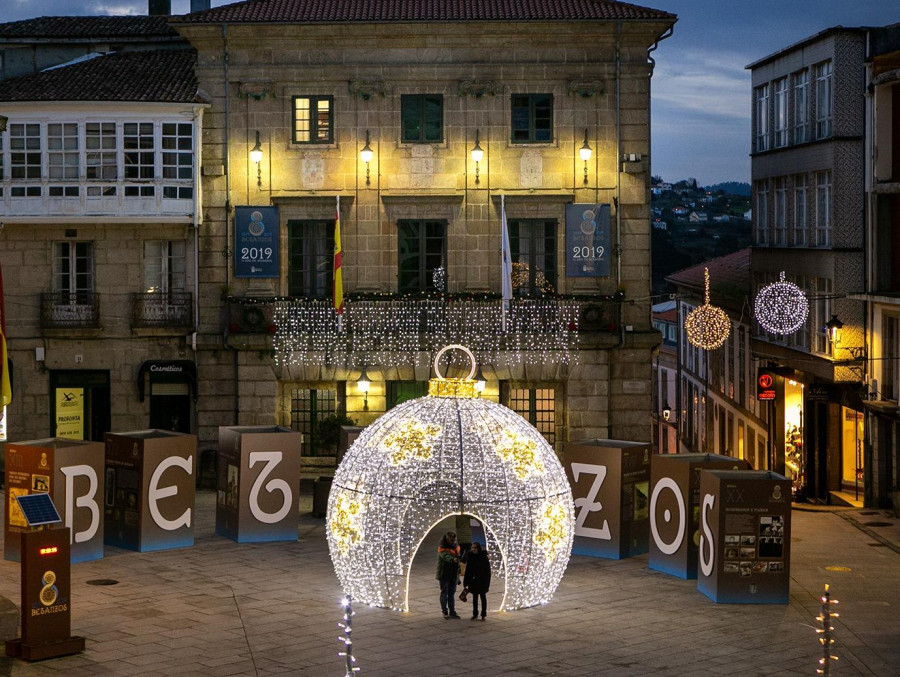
x,y
223,608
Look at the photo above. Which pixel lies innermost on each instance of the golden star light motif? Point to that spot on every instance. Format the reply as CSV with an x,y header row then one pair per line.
x,y
411,440
521,453
345,522
552,531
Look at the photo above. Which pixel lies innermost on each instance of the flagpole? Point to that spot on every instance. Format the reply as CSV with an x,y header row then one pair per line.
x,y
506,264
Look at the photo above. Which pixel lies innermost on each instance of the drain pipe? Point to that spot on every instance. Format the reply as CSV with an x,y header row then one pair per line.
x,y
228,253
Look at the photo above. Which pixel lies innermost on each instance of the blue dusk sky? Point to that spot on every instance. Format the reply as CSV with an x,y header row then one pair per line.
x,y
700,88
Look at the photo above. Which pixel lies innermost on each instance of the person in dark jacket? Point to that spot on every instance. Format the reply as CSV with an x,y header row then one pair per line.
x,y
477,578
447,573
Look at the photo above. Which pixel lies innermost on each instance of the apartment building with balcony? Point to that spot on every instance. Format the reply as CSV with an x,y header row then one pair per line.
x,y
99,201
807,166
427,122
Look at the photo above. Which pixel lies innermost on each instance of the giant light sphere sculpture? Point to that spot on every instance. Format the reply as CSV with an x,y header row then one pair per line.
x,y
449,453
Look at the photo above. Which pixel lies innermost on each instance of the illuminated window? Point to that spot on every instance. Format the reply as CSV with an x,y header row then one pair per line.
x,y
538,407
313,119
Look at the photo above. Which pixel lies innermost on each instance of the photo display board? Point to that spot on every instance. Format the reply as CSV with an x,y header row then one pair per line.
x,y
610,486
149,484
71,472
745,523
675,509
258,471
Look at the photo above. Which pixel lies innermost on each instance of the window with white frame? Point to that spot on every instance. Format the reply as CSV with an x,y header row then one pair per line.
x,y
164,266
62,151
780,214
25,158
761,113
780,104
801,106
762,213
140,151
100,146
178,159
890,353
801,210
820,313
823,209
73,272
824,103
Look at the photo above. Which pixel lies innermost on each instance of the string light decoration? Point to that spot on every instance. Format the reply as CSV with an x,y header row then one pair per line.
x,y
707,327
485,461
826,639
347,637
401,331
781,307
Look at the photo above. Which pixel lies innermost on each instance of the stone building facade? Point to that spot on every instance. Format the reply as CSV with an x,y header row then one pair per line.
x,y
420,88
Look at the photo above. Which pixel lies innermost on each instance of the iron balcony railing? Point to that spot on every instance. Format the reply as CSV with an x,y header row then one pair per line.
x,y
161,310
70,310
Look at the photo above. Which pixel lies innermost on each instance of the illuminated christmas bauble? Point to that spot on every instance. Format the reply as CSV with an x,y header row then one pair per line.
x,y
450,453
781,307
707,326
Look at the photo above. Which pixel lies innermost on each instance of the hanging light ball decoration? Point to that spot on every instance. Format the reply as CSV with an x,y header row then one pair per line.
x,y
450,453
781,307
707,326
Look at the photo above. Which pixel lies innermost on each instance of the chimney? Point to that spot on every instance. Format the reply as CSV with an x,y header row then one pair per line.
x,y
199,5
159,7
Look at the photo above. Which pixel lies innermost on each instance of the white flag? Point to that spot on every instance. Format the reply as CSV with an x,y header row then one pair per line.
x,y
506,260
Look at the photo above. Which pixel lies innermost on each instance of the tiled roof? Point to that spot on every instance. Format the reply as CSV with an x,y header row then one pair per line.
x,y
729,276
95,28
381,11
153,76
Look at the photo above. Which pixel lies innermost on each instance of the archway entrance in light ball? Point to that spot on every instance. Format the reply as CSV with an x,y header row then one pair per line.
x,y
449,453
495,552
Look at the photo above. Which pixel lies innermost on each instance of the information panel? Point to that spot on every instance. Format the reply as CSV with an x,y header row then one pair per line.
x,y
587,240
256,242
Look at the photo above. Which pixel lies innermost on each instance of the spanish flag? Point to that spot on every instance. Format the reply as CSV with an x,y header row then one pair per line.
x,y
5,386
337,285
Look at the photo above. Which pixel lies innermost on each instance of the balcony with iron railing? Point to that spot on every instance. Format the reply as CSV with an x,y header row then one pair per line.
x,y
392,329
161,310
70,310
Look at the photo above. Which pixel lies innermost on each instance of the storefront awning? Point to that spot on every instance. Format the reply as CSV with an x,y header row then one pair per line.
x,y
168,370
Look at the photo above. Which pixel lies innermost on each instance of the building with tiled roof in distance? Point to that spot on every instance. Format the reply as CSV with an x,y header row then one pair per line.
x,y
715,407
99,201
32,45
381,104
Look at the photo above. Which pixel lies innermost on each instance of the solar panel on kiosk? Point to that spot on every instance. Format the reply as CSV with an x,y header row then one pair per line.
x,y
38,509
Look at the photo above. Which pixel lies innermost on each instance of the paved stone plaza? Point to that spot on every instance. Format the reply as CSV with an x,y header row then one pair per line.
x,y
223,608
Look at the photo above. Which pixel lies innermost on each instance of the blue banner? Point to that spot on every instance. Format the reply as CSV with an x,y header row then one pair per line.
x,y
256,242
587,240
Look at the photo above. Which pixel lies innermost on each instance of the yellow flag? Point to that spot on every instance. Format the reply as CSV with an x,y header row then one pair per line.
x,y
337,290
